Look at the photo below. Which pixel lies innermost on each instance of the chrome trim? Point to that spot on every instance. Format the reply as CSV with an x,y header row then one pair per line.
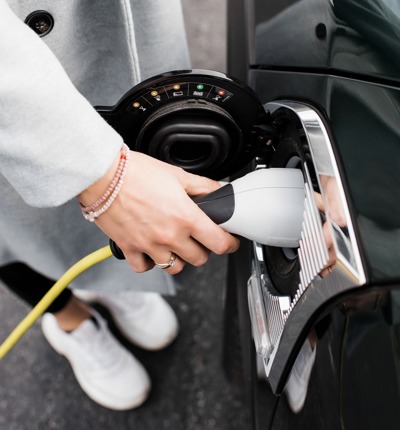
x,y
312,251
287,320
326,167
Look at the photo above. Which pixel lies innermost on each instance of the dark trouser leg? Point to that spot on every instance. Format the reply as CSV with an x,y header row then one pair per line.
x,y
32,286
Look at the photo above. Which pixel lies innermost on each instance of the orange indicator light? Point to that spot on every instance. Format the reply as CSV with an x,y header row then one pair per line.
x,y
136,104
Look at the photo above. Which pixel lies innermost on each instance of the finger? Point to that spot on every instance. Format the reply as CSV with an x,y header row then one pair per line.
x,y
216,239
327,235
138,261
177,267
196,185
211,236
192,252
332,257
327,271
329,243
330,263
172,262
205,231
319,201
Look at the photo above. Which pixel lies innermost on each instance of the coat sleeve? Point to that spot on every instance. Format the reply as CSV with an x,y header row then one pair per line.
x,y
53,143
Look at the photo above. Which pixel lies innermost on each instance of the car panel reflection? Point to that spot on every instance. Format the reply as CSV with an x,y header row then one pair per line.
x,y
347,37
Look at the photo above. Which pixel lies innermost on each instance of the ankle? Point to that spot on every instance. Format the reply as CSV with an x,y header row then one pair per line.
x,y
72,315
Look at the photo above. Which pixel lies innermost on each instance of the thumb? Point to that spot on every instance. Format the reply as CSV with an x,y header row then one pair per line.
x,y
319,201
196,185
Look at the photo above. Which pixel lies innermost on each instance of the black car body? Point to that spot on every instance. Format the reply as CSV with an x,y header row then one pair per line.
x,y
339,60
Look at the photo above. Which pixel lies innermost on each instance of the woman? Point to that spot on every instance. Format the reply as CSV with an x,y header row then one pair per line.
x,y
57,154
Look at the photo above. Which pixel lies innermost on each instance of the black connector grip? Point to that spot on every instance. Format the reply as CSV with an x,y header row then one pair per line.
x,y
218,205
116,250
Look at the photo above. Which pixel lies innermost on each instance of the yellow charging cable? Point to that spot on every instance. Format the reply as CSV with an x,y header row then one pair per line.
x,y
79,267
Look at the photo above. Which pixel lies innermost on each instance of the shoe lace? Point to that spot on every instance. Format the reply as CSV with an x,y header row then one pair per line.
x,y
103,349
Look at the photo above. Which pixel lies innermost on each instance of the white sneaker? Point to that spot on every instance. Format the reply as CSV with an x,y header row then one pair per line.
x,y
297,385
105,370
144,319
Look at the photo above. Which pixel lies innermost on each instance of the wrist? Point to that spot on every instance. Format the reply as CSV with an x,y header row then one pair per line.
x,y
97,198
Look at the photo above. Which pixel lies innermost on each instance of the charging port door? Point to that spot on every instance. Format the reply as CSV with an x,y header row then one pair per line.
x,y
202,121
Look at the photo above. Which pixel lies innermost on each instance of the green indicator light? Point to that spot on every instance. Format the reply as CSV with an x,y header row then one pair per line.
x,y
200,86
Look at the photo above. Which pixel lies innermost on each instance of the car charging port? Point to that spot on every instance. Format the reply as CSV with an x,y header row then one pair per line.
x,y
196,135
200,120
291,151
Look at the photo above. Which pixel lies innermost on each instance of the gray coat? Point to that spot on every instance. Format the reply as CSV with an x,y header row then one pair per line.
x,y
53,144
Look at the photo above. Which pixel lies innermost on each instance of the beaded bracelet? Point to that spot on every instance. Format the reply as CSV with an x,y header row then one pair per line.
x,y
111,187
93,211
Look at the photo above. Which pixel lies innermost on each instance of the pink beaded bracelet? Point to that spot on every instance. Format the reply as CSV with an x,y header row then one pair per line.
x,y
104,202
111,187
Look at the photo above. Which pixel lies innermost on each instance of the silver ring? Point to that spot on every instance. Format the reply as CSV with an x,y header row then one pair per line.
x,y
170,263
330,269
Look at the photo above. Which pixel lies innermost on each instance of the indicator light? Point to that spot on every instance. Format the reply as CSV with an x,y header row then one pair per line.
x,y
136,104
154,93
221,93
176,87
200,87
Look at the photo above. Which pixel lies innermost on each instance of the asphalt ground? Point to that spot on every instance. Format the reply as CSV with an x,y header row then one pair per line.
x,y
190,391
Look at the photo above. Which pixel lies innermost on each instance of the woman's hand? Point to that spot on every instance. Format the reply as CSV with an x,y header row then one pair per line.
x,y
153,215
328,240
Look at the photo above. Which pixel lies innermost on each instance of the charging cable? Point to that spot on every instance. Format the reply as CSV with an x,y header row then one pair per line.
x,y
79,267
233,208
